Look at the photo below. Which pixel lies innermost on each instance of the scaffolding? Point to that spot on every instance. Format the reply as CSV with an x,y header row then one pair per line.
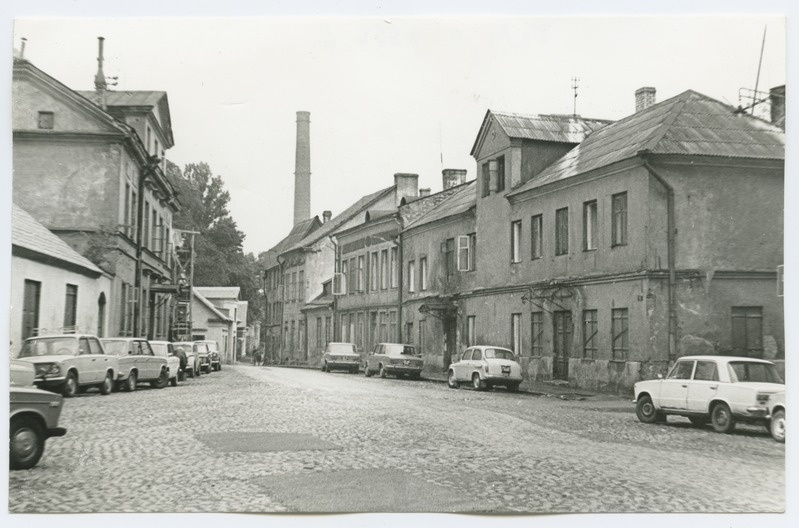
x,y
184,264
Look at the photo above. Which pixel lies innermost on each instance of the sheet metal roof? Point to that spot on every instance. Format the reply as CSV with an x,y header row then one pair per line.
x,y
688,124
457,203
218,292
297,233
128,98
216,311
28,233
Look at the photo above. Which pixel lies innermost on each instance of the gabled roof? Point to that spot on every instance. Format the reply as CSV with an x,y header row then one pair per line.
x,y
297,233
460,202
689,124
211,307
337,221
142,98
42,244
554,127
219,292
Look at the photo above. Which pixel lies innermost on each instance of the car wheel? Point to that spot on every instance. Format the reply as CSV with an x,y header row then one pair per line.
x,y
219,367
777,426
721,418
130,383
173,381
513,387
452,380
161,382
698,420
324,367
477,383
382,371
645,410
70,386
366,371
107,385
26,443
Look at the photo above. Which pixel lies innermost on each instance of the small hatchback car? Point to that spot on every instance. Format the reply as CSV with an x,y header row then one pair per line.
x,y
485,367
716,389
340,356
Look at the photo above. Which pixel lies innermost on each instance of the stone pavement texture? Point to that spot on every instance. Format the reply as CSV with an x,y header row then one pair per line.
x,y
266,439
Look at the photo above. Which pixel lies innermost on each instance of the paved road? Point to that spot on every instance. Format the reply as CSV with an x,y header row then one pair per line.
x,y
250,439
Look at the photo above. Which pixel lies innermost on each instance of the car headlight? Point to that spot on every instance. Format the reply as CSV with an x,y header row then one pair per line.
x,y
54,370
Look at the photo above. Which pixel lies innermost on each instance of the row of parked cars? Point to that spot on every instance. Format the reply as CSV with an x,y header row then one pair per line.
x,y
69,364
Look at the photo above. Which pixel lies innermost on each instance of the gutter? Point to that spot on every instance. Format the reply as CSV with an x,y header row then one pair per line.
x,y
671,241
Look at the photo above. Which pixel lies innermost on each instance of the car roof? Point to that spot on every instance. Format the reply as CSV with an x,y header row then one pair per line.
x,y
123,339
339,343
160,342
724,359
398,344
50,336
483,347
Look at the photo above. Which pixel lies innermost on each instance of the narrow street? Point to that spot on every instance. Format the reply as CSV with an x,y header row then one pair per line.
x,y
276,439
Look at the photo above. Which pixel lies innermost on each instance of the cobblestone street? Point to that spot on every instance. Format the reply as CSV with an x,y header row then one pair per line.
x,y
269,439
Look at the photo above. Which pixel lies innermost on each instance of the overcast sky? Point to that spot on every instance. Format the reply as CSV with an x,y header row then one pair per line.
x,y
386,94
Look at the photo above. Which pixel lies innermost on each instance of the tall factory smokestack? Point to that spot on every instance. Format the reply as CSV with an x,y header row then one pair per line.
x,y
302,169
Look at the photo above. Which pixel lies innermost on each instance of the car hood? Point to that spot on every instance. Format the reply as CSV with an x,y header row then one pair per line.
x,y
36,360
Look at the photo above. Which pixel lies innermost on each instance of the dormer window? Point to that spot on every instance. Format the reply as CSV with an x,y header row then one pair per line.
x,y
46,120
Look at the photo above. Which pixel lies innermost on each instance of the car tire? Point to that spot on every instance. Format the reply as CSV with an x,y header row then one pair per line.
x,y
26,440
777,426
107,385
722,419
382,372
130,383
190,372
70,388
452,380
366,371
513,387
219,367
477,383
646,411
173,381
162,381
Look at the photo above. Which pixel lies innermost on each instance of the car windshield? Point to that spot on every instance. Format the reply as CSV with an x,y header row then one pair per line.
x,y
116,348
498,353
401,349
159,349
199,349
50,346
341,348
741,371
212,346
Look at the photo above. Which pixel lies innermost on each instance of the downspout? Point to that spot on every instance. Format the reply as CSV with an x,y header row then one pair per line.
x,y
671,234
336,265
137,280
400,275
282,303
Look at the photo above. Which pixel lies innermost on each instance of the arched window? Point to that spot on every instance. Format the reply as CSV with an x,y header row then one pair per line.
x,y
100,314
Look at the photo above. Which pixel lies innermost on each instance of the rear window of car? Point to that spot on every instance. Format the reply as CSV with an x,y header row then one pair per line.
x,y
499,353
341,348
116,348
49,346
742,371
159,349
400,349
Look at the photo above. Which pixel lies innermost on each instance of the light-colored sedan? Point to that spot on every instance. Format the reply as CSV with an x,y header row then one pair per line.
x,y
486,367
164,349
721,390
21,373
33,419
394,358
137,362
341,356
192,363
776,409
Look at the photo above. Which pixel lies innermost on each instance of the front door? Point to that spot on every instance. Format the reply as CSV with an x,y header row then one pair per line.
x,y
563,345
450,335
674,389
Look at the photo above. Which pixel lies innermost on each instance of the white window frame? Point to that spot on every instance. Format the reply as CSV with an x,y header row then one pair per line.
x,y
423,274
515,241
464,253
338,282
411,276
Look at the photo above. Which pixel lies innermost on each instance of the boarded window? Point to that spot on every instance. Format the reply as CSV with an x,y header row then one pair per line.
x,y
589,333
747,331
500,173
620,330
562,231
537,333
486,180
70,308
30,308
619,234
46,120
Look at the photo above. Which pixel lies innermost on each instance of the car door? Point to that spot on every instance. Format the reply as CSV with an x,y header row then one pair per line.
x,y
98,357
88,368
148,356
703,386
476,363
462,366
674,389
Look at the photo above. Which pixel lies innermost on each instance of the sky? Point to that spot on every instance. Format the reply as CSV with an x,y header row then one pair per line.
x,y
388,94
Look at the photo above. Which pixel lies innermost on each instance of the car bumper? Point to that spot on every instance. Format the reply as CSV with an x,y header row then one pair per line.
x,y
56,431
502,379
755,412
402,369
49,383
342,364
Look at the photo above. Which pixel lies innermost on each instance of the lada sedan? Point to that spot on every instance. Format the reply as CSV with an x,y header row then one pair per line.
x,y
164,349
21,373
33,419
340,356
485,367
718,389
203,355
776,409
137,363
214,359
70,363
393,358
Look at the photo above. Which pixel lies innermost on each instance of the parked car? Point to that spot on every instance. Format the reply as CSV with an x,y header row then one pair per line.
x,y
203,355
164,349
33,419
718,389
70,363
776,409
486,367
192,364
393,358
137,363
341,356
213,354
21,373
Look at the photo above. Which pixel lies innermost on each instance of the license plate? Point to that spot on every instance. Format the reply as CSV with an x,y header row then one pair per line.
x,y
407,362
506,369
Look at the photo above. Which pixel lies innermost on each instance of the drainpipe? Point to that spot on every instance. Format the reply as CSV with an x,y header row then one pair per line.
x,y
336,265
400,275
671,230
137,308
282,303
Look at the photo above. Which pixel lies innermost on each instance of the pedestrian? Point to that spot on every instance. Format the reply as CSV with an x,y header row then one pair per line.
x,y
257,359
179,352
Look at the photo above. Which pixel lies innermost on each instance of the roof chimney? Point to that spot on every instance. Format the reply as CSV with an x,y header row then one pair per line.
x,y
100,85
326,216
22,48
777,99
453,177
644,98
424,192
302,169
407,186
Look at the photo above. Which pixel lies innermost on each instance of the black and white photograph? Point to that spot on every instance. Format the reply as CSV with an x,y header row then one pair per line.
x,y
524,267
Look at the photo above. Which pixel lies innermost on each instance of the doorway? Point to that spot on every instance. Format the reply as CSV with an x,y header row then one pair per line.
x,y
563,345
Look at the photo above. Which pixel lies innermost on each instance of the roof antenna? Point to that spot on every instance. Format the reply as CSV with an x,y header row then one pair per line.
x,y
575,85
759,64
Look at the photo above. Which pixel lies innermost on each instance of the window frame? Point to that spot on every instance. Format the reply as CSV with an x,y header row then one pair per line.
x,y
536,242
463,250
411,276
515,241
620,316
590,346
501,183
537,333
562,231
619,219
423,273
590,228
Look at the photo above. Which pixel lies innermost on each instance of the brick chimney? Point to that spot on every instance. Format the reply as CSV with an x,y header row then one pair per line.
x,y
424,192
100,85
407,186
302,169
326,215
453,177
777,100
644,98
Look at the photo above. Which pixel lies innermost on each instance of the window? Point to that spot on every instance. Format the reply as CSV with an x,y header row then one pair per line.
x,y
46,120
126,228
500,173
706,371
71,307
516,332
318,331
470,337
515,241
620,334
394,274
146,234
589,226
619,235
359,336
374,276
30,308
384,269
486,182
154,233
328,326
472,251
449,256
681,370
392,325
467,356
291,337
134,227
537,333
562,231
345,272
383,327
536,237
408,333
351,283
411,276
301,286
477,354
589,333
359,277
423,273
747,331
101,315
294,291
463,253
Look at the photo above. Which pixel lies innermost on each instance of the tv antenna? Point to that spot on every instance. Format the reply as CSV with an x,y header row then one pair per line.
x,y
575,85
759,64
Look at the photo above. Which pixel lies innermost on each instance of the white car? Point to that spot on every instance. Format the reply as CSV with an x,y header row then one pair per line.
x,y
137,363
485,367
716,389
21,373
340,356
164,349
